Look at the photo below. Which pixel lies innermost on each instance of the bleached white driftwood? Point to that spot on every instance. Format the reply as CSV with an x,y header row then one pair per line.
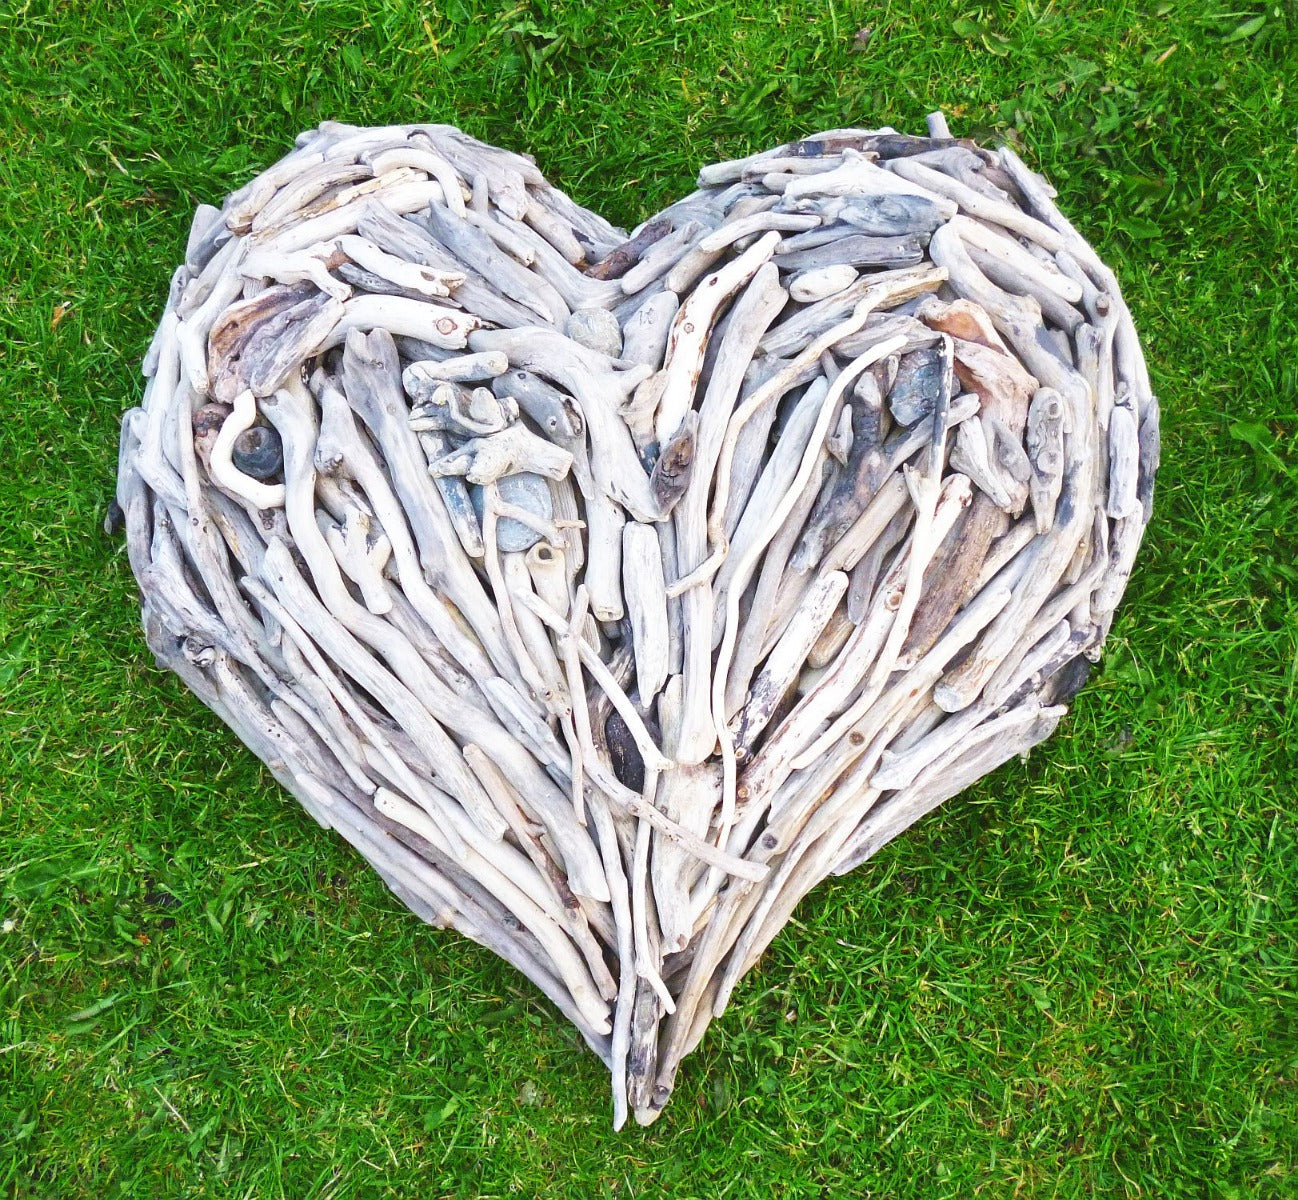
x,y
608,592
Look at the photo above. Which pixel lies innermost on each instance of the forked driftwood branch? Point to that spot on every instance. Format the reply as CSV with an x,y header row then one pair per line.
x,y
608,592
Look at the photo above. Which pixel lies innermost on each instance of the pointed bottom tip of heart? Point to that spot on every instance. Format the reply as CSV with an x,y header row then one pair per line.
x,y
644,1117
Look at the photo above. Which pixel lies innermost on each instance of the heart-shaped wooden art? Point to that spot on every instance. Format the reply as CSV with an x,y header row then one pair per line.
x,y
605,592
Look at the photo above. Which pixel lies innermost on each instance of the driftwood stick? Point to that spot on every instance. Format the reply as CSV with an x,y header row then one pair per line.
x,y
787,657
646,595
692,327
764,610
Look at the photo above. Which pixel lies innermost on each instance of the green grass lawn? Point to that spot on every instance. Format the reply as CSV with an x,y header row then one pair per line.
x,y
1080,979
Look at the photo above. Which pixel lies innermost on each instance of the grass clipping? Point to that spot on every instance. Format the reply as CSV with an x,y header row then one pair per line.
x,y
607,593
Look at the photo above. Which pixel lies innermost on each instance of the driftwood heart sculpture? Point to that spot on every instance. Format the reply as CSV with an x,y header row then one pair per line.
x,y
608,593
